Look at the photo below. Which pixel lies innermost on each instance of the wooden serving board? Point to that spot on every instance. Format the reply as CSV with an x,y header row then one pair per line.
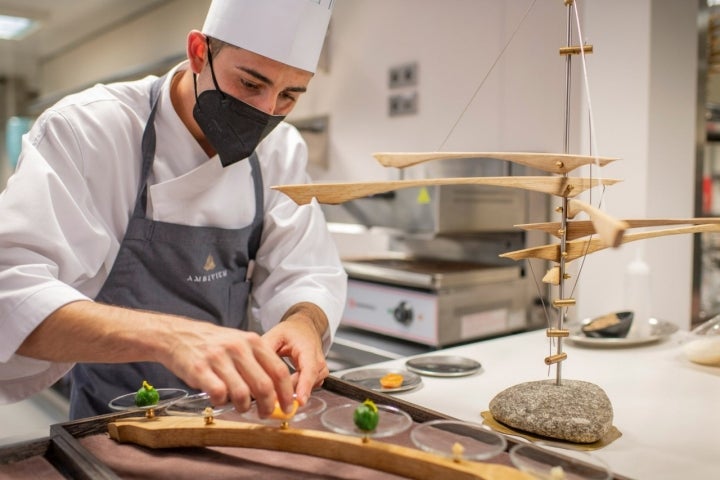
x,y
170,432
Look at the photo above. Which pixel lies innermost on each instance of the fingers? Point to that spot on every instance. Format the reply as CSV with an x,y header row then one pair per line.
x,y
267,377
298,341
309,379
231,365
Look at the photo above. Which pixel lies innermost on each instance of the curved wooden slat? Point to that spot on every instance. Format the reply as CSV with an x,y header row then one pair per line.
x,y
334,193
609,228
547,162
583,228
171,432
579,248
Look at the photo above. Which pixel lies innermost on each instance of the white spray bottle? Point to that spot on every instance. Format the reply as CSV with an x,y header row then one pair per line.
x,y
638,297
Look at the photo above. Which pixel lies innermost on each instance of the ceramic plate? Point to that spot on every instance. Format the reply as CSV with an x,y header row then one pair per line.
x,y
370,378
659,330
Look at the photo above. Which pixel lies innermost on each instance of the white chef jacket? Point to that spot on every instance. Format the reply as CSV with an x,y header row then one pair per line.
x,y
66,208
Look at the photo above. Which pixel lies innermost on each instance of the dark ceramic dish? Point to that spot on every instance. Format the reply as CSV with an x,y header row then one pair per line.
x,y
612,325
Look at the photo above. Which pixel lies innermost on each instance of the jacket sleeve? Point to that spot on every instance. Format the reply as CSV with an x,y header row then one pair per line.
x,y
297,260
51,242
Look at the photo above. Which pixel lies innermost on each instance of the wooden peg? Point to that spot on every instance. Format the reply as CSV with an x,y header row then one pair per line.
x,y
555,358
574,50
563,302
557,332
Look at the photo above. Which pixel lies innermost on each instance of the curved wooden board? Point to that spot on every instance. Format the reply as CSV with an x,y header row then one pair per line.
x,y
583,228
547,162
580,248
335,193
171,432
609,228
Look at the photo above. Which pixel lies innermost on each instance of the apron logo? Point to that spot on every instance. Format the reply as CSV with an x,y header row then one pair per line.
x,y
209,265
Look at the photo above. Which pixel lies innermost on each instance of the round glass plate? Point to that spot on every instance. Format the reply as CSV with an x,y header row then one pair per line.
x,y
548,463
340,420
658,330
167,396
314,406
443,366
195,405
370,378
455,439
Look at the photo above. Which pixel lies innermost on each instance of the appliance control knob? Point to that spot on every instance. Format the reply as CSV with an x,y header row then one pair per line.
x,y
403,313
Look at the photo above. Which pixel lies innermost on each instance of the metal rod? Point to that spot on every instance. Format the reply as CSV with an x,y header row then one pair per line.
x,y
562,311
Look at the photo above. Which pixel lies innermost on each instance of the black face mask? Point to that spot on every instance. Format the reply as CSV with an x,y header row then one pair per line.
x,y
233,128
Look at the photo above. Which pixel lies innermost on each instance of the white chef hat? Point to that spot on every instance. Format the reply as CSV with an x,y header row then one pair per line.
x,y
288,31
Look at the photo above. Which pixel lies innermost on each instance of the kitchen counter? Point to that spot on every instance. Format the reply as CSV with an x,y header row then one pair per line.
x,y
666,407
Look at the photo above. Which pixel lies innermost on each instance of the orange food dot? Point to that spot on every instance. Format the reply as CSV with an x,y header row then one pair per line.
x,y
279,414
391,380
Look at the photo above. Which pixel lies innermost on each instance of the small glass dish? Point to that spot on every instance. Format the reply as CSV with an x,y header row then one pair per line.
x,y
458,440
195,406
550,462
702,344
372,378
167,397
341,420
314,406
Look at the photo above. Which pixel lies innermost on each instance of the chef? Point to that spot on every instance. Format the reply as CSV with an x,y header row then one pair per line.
x,y
139,228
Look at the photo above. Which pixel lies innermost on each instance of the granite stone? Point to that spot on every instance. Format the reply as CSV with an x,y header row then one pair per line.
x,y
575,411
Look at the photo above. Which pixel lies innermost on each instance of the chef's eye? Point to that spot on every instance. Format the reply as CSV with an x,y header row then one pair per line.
x,y
291,97
250,85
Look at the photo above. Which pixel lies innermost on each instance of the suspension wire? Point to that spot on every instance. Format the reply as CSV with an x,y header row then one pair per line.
x,y
593,137
487,74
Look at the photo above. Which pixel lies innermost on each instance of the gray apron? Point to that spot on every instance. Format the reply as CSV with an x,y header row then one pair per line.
x,y
196,272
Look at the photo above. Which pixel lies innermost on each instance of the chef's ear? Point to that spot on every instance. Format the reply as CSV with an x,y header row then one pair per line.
x,y
197,50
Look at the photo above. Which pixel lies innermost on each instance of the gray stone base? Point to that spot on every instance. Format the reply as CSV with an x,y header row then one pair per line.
x,y
575,411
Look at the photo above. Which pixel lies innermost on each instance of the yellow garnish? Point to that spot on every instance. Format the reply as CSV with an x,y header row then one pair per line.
x,y
391,380
279,414
371,404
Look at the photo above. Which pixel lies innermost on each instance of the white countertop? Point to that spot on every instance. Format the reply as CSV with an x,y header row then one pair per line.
x,y
666,407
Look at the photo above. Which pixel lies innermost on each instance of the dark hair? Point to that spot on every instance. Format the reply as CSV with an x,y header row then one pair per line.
x,y
216,45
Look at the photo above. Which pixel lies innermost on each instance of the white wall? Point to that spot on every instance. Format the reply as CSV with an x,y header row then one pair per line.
x,y
144,40
455,44
644,76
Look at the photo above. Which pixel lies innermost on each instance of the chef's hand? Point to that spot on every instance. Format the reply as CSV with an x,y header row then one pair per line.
x,y
299,337
230,364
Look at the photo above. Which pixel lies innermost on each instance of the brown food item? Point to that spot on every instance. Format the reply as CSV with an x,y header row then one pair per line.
x,y
602,322
391,380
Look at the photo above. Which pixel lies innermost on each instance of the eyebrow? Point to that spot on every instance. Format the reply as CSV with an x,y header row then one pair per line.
x,y
267,81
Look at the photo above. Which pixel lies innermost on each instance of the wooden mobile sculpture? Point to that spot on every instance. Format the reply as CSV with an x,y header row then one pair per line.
x,y
577,238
